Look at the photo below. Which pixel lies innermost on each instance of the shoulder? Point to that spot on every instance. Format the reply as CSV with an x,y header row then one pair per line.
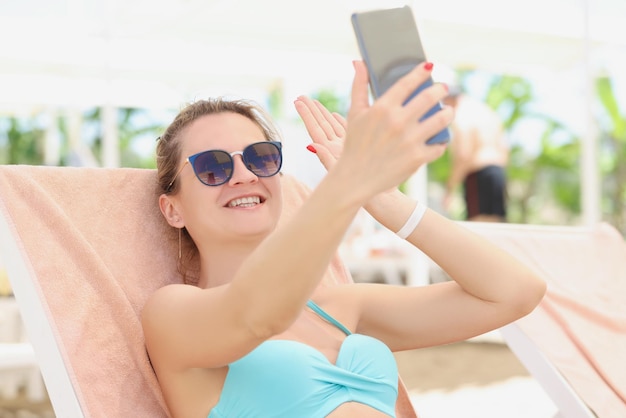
x,y
170,298
172,293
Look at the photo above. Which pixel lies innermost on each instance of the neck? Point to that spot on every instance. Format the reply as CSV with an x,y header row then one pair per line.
x,y
219,263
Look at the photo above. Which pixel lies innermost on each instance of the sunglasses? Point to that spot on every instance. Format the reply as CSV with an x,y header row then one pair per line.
x,y
215,167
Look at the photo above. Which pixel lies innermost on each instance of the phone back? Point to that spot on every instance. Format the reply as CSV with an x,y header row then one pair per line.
x,y
390,46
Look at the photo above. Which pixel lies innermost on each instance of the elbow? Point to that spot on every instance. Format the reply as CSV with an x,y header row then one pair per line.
x,y
530,295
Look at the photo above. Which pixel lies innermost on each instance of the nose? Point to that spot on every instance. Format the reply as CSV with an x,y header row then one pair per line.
x,y
241,174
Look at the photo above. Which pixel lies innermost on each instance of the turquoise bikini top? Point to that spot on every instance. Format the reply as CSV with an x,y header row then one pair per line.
x,y
283,378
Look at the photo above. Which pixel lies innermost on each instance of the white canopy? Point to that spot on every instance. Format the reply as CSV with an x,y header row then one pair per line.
x,y
157,52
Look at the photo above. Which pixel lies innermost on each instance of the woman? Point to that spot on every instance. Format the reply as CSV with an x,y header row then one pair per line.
x,y
257,336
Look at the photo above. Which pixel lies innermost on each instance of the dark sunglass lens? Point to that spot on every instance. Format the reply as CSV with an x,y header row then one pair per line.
x,y
263,158
213,167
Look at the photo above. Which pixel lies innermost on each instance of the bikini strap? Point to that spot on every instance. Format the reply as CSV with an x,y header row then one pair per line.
x,y
327,317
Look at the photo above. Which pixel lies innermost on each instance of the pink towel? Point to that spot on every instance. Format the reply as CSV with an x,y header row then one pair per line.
x,y
98,247
581,323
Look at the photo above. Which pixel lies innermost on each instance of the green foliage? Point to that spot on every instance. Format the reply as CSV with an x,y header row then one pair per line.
x,y
331,100
24,142
131,124
612,155
535,182
25,139
617,124
439,170
275,101
510,96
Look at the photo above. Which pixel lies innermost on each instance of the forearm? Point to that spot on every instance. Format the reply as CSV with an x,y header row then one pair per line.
x,y
480,268
391,209
282,273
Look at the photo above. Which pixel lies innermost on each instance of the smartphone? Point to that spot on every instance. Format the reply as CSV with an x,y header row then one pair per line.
x,y
390,46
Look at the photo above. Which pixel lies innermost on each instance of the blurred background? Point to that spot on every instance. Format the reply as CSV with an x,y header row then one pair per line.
x,y
95,82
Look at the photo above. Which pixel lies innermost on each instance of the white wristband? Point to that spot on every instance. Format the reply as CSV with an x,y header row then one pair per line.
x,y
411,223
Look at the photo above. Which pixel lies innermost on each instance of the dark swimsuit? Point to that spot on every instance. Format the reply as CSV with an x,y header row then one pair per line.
x,y
485,192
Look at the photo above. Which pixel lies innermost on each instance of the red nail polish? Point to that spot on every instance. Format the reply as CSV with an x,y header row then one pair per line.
x,y
428,66
311,148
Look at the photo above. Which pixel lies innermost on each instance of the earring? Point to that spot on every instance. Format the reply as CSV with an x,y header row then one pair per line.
x,y
180,246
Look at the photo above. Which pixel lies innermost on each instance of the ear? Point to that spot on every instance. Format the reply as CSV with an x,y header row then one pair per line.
x,y
170,212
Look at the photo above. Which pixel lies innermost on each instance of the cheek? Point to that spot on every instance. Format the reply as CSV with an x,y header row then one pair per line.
x,y
198,200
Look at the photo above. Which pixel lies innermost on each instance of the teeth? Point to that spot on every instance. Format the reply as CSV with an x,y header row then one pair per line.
x,y
244,202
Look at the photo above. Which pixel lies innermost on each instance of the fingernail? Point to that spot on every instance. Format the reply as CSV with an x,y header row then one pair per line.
x,y
445,86
311,148
428,66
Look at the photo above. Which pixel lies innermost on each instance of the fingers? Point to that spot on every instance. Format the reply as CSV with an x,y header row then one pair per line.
x,y
390,130
316,133
428,98
416,105
432,125
341,120
360,92
329,121
320,123
325,156
402,89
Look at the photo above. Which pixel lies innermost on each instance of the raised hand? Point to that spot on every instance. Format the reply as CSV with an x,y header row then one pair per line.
x,y
385,142
326,129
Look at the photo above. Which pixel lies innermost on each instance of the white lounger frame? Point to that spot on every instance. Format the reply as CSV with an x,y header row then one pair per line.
x,y
38,327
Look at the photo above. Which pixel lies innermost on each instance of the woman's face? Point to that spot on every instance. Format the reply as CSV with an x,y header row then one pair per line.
x,y
218,212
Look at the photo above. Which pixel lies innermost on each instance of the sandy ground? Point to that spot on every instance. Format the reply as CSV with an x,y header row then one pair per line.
x,y
472,380
469,379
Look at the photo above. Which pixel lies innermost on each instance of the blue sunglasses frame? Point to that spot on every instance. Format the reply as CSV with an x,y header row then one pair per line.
x,y
223,163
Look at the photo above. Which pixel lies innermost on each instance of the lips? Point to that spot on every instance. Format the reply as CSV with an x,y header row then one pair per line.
x,y
244,202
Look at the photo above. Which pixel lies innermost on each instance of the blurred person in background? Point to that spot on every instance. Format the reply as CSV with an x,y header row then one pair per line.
x,y
479,154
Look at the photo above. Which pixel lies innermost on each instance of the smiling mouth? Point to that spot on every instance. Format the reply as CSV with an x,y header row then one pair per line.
x,y
244,202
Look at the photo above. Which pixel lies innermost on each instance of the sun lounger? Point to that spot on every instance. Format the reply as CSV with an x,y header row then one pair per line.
x,y
18,365
85,247
574,343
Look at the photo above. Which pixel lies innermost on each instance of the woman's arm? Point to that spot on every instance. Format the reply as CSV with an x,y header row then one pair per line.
x,y
216,326
489,289
384,145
